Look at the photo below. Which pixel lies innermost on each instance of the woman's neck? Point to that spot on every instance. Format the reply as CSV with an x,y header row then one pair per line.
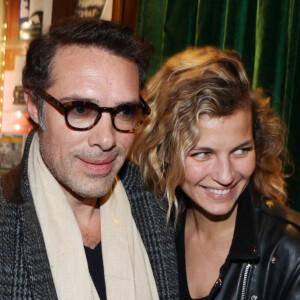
x,y
210,226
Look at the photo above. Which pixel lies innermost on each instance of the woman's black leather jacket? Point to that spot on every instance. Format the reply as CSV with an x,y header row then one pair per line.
x,y
264,258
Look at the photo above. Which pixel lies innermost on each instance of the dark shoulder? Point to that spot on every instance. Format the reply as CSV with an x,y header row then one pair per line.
x,y
279,238
132,180
280,212
131,176
11,185
9,213
280,225
2,196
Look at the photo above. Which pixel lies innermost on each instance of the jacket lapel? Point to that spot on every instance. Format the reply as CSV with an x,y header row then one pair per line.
x,y
31,256
150,220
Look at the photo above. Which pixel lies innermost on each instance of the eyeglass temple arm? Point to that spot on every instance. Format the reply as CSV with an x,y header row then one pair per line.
x,y
52,100
147,107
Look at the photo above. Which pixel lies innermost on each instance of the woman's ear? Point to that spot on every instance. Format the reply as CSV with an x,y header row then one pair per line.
x,y
31,106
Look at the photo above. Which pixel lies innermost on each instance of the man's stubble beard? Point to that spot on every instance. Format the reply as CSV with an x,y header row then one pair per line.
x,y
81,184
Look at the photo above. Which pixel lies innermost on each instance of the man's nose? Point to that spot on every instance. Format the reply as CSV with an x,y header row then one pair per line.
x,y
103,134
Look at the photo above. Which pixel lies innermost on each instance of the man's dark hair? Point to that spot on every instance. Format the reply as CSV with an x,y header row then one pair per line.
x,y
113,37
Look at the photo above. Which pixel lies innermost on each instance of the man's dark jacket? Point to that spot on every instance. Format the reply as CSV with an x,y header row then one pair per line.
x,y
24,266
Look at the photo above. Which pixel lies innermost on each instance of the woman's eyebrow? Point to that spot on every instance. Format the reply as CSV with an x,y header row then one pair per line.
x,y
208,149
204,149
244,144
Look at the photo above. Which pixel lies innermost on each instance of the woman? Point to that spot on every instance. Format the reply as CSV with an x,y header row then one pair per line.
x,y
214,148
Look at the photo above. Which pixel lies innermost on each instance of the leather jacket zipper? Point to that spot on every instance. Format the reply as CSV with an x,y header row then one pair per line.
x,y
245,280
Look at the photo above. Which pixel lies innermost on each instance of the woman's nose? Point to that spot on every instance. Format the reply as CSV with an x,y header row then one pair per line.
x,y
224,171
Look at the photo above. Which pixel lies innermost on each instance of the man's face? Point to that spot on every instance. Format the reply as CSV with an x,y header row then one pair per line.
x,y
86,162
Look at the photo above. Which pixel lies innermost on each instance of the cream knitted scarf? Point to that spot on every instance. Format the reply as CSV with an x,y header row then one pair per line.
x,y
128,274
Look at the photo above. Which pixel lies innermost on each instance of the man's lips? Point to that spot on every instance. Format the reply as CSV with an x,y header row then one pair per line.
x,y
98,161
98,165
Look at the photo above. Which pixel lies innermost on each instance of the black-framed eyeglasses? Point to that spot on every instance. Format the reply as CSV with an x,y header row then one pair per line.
x,y
84,115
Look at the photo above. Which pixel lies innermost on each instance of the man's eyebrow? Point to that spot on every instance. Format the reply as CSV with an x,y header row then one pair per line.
x,y
127,102
97,101
77,98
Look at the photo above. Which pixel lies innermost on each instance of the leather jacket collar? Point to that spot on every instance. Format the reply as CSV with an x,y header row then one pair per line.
x,y
245,246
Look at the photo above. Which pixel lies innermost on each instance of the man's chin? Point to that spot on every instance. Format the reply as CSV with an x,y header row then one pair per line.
x,y
89,188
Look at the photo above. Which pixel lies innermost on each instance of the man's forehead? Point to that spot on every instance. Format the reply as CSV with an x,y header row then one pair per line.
x,y
76,56
88,52
94,74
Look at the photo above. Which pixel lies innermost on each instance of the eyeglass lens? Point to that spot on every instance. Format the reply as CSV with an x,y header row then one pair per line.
x,y
125,117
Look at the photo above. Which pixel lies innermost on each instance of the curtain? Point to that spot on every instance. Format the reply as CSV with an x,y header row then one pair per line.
x,y
266,33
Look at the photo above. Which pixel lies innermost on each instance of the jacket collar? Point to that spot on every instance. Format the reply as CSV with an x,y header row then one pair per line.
x,y
17,191
245,246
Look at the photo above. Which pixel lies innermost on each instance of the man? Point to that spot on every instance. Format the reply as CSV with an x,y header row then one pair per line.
x,y
75,221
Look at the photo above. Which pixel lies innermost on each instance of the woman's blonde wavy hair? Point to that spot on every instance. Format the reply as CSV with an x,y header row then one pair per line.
x,y
204,81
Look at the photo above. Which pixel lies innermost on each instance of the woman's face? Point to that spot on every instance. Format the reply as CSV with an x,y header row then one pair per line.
x,y
220,165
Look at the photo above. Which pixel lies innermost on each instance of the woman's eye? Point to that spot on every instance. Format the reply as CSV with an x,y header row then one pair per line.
x,y
201,155
243,151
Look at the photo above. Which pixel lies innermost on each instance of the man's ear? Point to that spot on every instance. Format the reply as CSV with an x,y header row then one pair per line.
x,y
31,106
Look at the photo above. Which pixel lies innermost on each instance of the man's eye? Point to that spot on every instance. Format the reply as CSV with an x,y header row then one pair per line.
x,y
127,111
82,111
79,110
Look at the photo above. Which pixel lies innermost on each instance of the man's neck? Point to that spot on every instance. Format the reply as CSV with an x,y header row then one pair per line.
x,y
87,214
